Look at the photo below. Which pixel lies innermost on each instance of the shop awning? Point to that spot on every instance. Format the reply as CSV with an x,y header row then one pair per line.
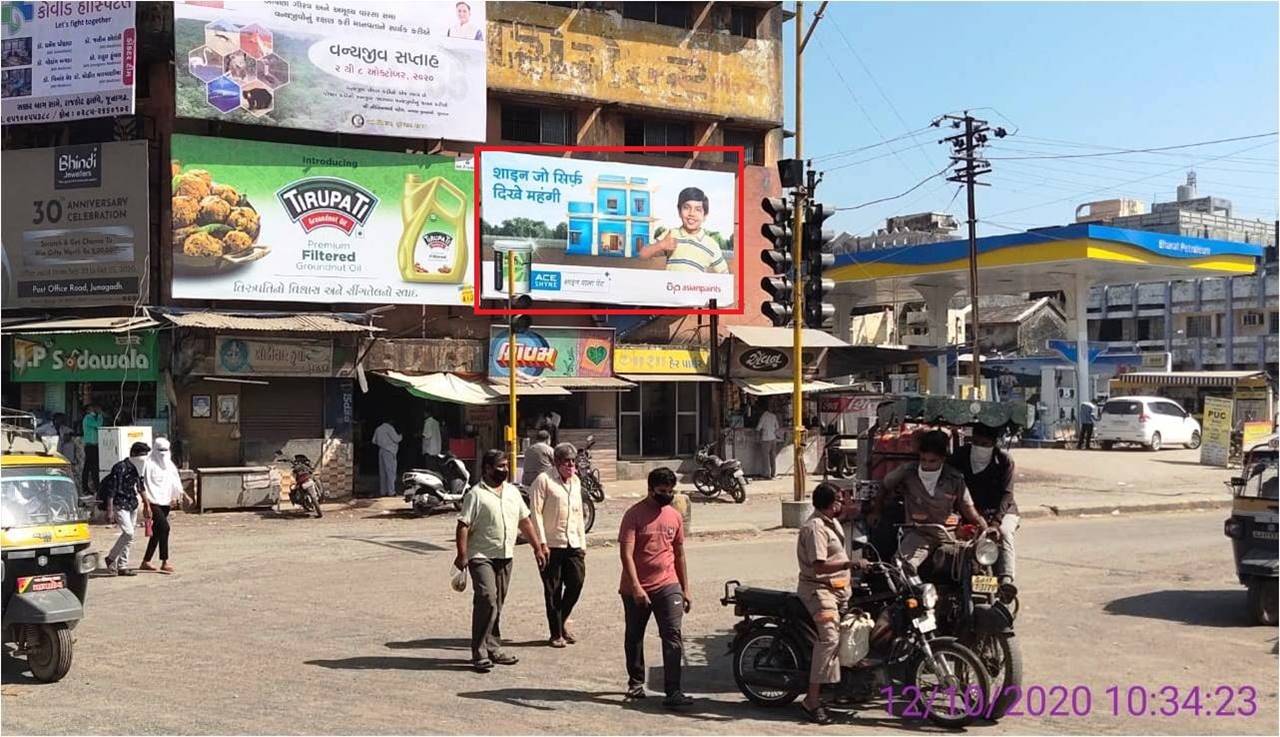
x,y
526,389
772,387
1190,378
589,383
677,378
758,337
271,323
444,387
86,325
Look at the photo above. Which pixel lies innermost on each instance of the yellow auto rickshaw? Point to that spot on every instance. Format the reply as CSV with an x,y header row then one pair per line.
x,y
44,548
1252,528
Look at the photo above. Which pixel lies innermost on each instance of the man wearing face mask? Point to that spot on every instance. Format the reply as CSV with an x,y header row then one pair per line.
x,y
124,484
931,491
654,583
988,474
492,512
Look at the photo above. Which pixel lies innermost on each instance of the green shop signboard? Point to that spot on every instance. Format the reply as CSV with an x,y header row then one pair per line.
x,y
84,357
553,352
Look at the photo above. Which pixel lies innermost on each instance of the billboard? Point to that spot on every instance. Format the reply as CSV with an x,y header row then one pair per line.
x,y
72,357
75,231
66,61
1215,446
405,69
547,353
606,232
284,223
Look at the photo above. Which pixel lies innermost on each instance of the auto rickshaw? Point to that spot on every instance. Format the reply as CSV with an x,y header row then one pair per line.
x,y
1252,528
44,549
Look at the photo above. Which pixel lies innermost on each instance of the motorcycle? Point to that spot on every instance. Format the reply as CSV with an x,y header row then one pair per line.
x,y
436,488
715,475
306,491
840,456
975,608
941,679
588,473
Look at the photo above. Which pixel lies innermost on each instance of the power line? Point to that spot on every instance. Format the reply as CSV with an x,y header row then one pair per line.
x,y
859,149
1123,184
876,83
918,185
1078,144
1132,150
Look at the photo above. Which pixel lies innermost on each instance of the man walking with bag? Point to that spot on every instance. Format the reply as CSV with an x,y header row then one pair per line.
x,y
492,512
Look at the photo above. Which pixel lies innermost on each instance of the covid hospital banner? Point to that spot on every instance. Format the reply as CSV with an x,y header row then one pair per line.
x,y
607,232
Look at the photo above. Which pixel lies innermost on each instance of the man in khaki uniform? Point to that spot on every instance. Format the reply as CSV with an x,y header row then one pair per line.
x,y
931,491
824,587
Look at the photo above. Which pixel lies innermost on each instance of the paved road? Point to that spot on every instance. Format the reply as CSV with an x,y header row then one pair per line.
x,y
348,625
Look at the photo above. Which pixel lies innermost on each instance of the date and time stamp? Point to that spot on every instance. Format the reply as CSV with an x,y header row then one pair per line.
x,y
1079,701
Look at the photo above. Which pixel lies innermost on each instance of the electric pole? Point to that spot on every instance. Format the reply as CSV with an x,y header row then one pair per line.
x,y
964,155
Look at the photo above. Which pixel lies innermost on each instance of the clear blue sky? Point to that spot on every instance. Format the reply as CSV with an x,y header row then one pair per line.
x,y
1122,75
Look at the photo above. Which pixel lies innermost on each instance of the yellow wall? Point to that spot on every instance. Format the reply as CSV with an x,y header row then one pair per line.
x,y
598,55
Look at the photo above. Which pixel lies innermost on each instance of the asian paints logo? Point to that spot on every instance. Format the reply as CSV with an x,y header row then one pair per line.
x,y
327,202
533,354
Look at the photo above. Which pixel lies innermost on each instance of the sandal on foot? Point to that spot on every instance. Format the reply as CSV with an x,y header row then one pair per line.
x,y
817,715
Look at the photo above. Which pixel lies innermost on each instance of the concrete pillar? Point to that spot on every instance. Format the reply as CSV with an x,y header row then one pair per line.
x,y
937,303
1080,305
1229,323
844,322
1168,316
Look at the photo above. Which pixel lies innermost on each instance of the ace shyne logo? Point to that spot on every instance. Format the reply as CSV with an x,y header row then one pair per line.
x,y
327,202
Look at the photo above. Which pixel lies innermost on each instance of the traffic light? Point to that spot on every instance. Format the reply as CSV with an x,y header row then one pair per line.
x,y
780,260
818,313
521,323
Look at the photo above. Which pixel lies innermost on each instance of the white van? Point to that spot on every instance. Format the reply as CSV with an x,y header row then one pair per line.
x,y
1154,422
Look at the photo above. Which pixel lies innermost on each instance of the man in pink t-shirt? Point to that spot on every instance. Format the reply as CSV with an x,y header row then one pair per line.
x,y
651,541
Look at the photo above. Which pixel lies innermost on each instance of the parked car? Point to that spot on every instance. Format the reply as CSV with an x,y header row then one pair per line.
x,y
1153,422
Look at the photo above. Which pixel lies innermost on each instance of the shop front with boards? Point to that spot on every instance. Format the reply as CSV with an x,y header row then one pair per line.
x,y
565,382
761,364
66,366
669,415
253,388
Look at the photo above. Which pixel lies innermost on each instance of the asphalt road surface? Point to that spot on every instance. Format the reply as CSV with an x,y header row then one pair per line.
x,y
347,625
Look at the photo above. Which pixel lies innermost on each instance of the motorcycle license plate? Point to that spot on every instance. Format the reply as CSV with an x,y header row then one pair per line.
x,y
927,623
49,582
985,584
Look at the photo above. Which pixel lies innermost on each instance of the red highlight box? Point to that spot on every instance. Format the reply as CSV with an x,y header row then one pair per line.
x,y
739,246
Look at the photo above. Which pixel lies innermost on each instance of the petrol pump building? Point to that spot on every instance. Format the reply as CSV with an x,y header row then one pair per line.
x,y
1070,259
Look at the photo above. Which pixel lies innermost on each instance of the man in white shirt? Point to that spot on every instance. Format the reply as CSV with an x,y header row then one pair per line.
x,y
492,513
767,428
465,28
556,497
388,442
431,440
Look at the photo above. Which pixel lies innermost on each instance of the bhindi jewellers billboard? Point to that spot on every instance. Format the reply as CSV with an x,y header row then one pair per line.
x,y
406,69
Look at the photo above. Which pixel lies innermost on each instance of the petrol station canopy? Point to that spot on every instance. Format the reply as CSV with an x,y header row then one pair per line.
x,y
1038,260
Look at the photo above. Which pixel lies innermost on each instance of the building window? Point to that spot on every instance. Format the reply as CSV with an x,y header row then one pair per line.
x,y
1199,326
1275,322
1251,319
1151,328
743,21
537,125
752,144
667,14
657,133
1111,329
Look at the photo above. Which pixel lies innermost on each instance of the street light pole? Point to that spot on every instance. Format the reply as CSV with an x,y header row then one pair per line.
x,y
511,358
797,299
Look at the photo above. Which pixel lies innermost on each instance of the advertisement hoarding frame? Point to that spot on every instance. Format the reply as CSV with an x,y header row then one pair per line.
x,y
740,285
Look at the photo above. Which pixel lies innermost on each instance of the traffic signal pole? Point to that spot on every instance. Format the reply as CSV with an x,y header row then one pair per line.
x,y
797,335
511,359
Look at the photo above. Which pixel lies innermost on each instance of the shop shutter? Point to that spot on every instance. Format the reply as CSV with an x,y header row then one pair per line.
x,y
284,409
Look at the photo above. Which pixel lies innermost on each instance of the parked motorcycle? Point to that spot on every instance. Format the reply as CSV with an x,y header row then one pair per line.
x,y
974,607
936,677
306,491
438,487
840,456
715,475
588,473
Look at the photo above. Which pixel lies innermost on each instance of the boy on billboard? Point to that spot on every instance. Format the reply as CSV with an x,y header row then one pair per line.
x,y
689,247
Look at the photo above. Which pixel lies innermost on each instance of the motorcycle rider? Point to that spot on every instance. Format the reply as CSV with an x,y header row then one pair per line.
x,y
931,490
824,586
988,474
